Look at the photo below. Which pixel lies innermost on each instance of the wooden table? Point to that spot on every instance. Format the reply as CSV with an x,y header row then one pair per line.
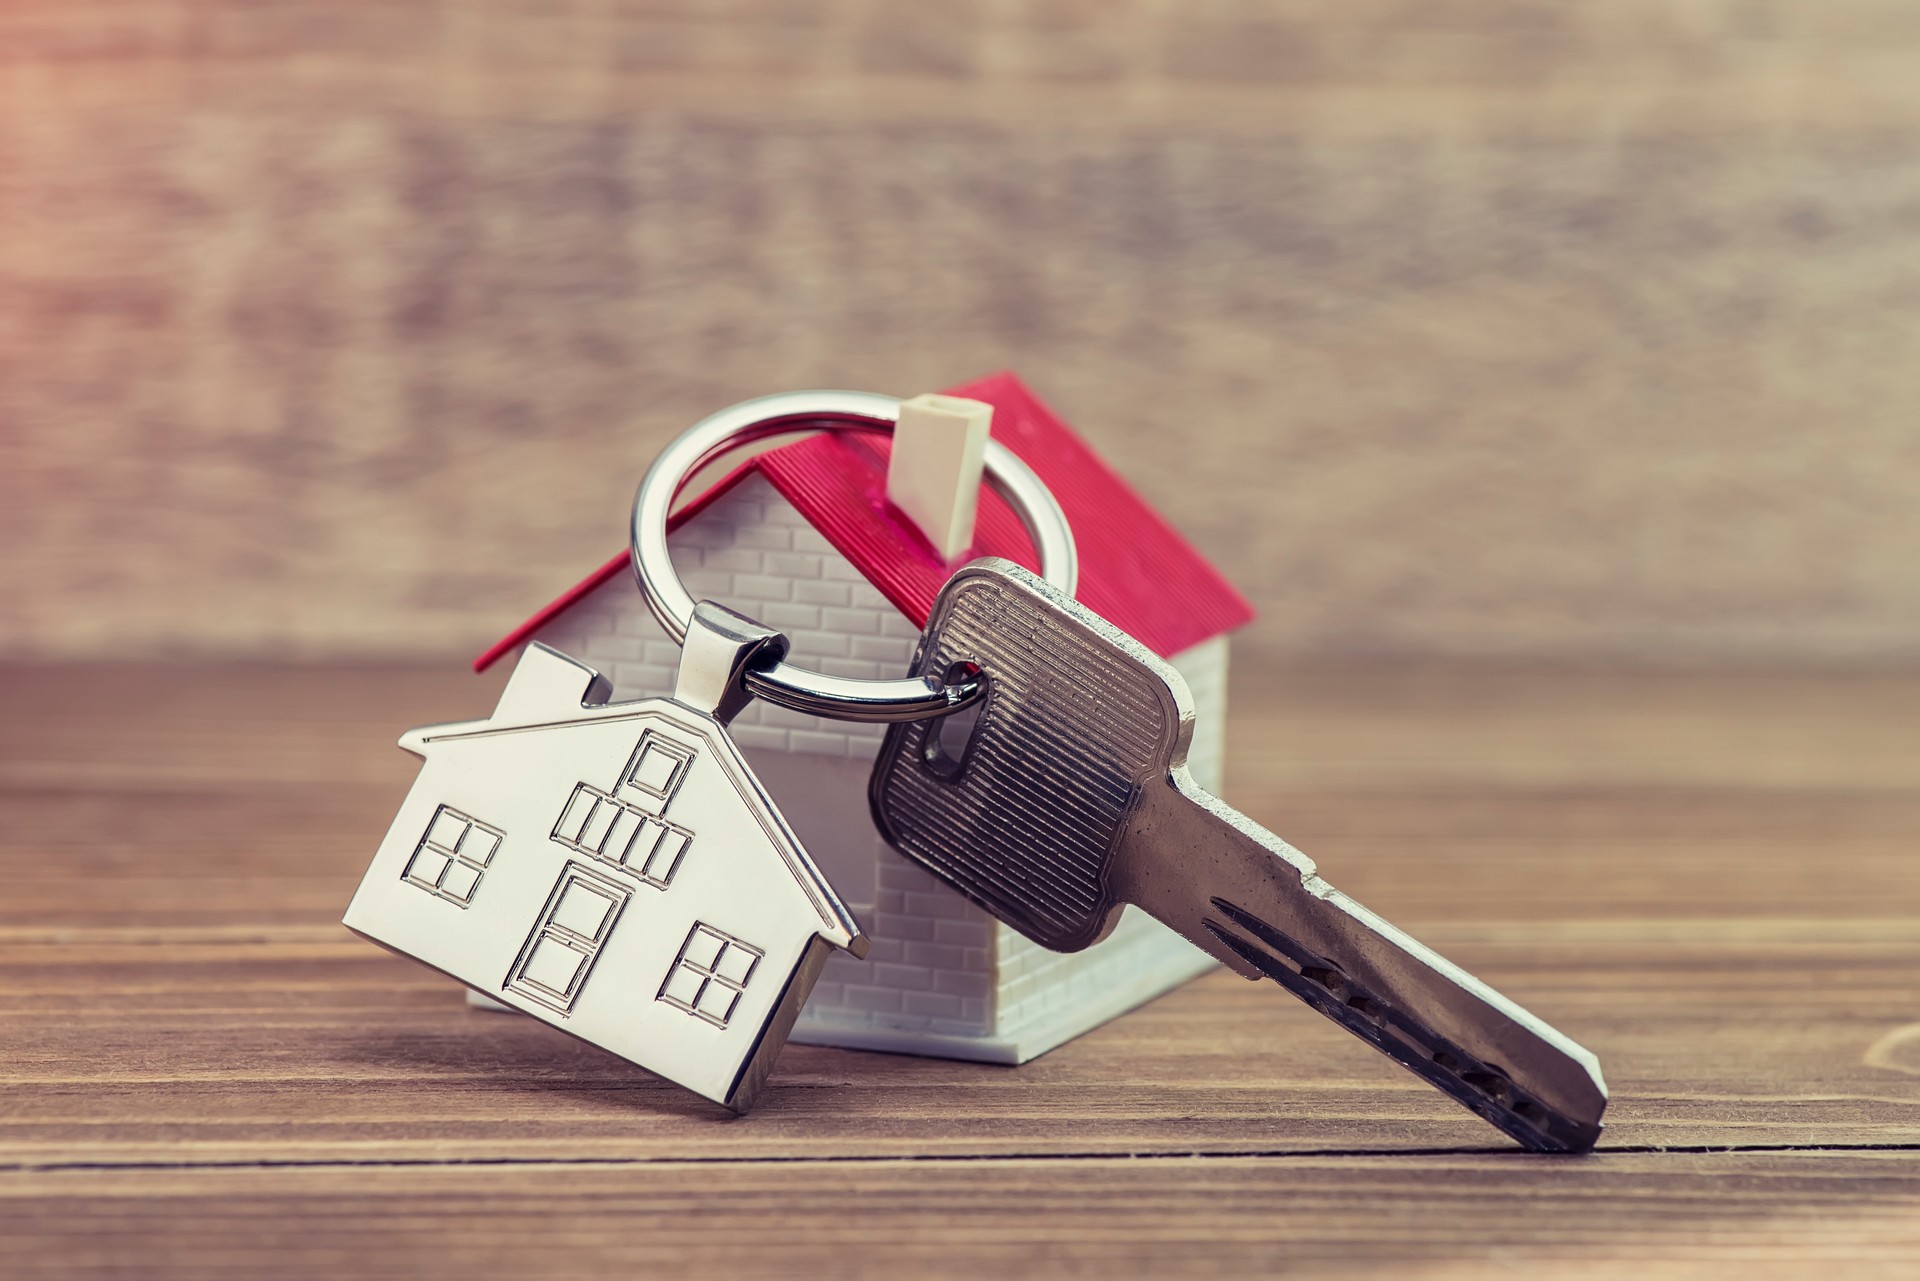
x,y
1711,880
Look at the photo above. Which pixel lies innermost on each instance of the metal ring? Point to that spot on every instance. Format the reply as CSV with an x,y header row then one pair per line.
x,y
840,698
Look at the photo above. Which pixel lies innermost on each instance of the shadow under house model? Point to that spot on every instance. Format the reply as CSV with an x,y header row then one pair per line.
x,y
803,539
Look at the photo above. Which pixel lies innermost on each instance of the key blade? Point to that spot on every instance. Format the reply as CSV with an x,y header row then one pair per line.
x,y
1259,905
1481,1087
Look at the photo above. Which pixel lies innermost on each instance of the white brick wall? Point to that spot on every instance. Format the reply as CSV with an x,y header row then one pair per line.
x,y
942,976
930,970
752,551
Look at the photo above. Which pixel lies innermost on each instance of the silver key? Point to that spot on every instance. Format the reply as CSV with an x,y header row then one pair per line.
x,y
1068,796
614,869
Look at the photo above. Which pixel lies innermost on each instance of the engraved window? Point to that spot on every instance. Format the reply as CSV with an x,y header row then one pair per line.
x,y
603,827
712,970
557,957
452,856
655,771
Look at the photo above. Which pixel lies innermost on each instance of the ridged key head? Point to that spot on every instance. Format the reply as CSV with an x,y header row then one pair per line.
x,y
1024,815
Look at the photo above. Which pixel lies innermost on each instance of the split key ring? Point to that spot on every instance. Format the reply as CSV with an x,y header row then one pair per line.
x,y
783,684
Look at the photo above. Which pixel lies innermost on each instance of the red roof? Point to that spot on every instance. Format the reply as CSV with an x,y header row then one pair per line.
x,y
1135,571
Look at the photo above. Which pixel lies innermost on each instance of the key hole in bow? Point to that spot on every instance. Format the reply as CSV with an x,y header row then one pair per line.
x,y
950,738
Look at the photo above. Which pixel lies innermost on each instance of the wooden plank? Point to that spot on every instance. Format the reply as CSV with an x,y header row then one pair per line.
x,y
176,1046
1761,1215
1424,857
1362,68
1434,792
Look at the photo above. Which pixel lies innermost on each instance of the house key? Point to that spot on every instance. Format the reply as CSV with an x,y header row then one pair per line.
x,y
1068,796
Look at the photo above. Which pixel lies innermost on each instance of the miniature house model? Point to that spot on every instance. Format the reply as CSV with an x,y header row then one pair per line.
x,y
611,869
804,539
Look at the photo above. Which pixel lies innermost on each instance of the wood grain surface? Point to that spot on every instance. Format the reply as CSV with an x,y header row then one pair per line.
x,y
1709,880
347,326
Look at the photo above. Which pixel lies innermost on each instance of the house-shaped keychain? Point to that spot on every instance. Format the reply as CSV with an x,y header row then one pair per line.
x,y
810,539
613,869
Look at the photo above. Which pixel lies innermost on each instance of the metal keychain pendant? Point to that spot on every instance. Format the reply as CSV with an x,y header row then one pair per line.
x,y
614,869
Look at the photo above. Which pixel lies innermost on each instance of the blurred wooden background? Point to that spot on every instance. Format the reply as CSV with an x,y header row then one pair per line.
x,y
1511,327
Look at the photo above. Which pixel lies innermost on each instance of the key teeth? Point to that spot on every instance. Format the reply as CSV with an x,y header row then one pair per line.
x,y
1483,1088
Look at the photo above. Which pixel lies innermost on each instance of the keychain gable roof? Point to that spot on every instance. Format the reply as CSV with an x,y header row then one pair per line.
x,y
804,538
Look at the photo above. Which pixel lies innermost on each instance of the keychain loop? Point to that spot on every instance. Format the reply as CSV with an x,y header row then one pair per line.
x,y
837,697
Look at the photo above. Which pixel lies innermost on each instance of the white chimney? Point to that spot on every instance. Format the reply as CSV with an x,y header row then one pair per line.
x,y
934,476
